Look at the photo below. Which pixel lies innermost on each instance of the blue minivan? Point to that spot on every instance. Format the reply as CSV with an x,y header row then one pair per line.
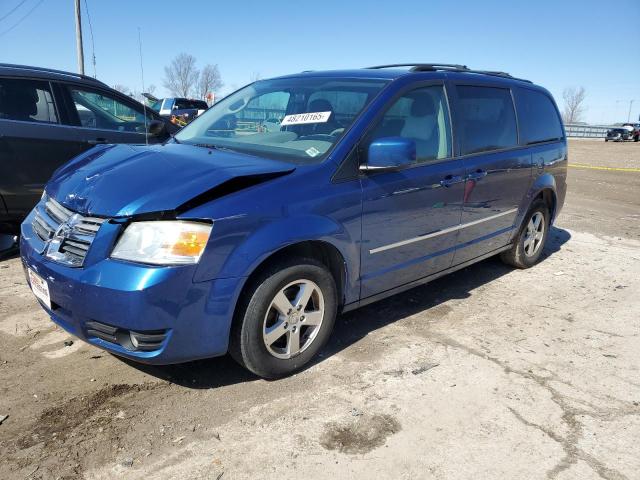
x,y
290,201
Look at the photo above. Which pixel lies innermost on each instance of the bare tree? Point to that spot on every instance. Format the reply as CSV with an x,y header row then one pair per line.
x,y
254,77
122,88
573,104
210,80
181,75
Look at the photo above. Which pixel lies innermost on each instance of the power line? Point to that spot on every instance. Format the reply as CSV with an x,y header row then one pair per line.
x,y
13,10
93,46
22,19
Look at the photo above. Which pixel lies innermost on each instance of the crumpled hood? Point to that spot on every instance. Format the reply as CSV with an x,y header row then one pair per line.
x,y
124,180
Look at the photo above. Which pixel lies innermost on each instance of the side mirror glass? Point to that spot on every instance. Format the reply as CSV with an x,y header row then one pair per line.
x,y
390,153
156,128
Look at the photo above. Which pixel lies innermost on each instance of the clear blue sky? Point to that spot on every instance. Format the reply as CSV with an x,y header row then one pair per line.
x,y
556,43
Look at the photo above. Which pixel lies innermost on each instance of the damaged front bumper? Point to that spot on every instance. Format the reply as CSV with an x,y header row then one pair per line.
x,y
151,314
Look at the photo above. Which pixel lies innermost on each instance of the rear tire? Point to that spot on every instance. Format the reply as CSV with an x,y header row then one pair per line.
x,y
286,316
529,243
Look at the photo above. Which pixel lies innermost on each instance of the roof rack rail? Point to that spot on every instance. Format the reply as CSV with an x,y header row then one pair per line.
x,y
51,70
448,67
423,66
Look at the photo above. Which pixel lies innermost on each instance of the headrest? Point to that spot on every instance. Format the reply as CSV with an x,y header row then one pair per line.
x,y
18,102
422,104
320,105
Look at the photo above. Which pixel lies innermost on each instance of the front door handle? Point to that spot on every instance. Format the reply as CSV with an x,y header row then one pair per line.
x,y
451,180
477,175
97,141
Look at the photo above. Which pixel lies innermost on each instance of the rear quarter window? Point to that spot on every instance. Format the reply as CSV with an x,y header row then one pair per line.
x,y
538,117
486,119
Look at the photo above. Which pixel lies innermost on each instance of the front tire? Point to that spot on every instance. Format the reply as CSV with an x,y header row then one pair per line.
x,y
286,318
528,245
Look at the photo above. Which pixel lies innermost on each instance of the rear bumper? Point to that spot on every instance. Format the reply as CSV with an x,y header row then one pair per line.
x,y
195,317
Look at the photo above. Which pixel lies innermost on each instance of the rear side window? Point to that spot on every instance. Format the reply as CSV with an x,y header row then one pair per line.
x,y
487,119
26,100
538,117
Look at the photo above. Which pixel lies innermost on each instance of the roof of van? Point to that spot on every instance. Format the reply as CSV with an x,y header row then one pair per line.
x,y
391,72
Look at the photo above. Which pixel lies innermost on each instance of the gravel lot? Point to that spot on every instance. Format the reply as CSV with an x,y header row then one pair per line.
x,y
487,373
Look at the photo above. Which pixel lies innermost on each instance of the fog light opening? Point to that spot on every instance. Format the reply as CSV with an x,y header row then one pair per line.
x,y
134,340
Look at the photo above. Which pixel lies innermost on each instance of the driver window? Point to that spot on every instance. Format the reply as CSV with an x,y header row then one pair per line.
x,y
420,115
97,110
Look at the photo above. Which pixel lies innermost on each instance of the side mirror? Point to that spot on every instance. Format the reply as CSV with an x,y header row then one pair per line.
x,y
156,128
389,154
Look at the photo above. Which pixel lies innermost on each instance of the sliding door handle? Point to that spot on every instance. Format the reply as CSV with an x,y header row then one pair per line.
x,y
451,180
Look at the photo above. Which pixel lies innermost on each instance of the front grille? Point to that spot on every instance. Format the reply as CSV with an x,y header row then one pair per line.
x,y
146,341
66,235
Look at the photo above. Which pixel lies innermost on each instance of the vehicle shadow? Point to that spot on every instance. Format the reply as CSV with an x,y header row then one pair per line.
x,y
353,326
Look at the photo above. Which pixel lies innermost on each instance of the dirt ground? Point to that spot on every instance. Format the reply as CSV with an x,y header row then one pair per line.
x,y
487,373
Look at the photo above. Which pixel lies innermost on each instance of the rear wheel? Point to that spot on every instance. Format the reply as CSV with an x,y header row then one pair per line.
x,y
528,245
287,317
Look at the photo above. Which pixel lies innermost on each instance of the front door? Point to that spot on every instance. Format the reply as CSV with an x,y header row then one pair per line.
x,y
410,217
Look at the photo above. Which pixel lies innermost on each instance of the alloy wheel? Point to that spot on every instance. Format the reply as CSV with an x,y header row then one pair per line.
x,y
293,319
534,234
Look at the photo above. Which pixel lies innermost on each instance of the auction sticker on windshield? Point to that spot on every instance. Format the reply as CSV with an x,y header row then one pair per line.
x,y
40,287
302,118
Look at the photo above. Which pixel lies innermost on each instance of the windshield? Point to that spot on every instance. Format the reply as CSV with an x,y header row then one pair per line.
x,y
292,119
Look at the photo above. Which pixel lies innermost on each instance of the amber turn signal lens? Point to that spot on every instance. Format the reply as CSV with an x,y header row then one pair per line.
x,y
190,243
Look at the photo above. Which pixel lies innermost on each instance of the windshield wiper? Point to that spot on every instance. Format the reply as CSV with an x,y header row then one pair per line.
x,y
213,147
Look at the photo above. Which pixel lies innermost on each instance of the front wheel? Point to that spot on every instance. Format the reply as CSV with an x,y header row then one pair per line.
x,y
528,245
287,317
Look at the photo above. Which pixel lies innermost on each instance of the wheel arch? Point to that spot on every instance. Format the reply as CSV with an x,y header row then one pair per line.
x,y
544,188
324,252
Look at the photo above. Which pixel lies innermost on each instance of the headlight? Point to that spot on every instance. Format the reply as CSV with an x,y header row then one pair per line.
x,y
163,242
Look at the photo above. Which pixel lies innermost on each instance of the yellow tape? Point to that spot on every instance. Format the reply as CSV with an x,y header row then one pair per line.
x,y
592,167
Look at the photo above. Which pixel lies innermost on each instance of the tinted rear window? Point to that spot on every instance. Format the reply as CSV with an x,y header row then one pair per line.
x,y
487,119
538,117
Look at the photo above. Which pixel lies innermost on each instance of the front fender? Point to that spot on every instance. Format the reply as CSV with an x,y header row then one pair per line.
x,y
242,259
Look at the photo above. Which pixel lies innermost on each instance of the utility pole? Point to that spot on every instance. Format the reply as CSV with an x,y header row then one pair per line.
x,y
79,38
629,114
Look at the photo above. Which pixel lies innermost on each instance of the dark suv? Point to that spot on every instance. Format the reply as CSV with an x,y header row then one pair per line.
x,y
48,117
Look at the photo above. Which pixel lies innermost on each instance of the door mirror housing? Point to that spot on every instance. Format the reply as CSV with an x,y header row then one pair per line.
x,y
156,128
389,154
